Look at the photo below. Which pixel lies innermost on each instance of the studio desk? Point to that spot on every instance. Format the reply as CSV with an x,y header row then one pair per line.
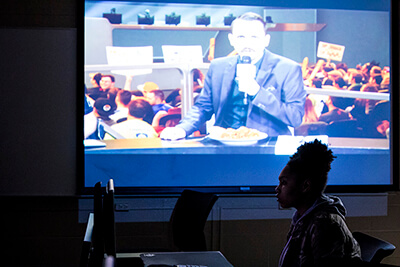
x,y
206,162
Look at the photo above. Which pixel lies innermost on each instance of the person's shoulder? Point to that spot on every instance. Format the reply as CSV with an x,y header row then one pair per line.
x,y
325,219
120,125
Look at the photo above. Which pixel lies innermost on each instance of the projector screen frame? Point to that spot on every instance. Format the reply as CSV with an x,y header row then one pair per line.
x,y
254,189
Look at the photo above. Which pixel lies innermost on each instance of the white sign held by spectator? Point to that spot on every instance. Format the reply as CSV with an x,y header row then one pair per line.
x,y
330,51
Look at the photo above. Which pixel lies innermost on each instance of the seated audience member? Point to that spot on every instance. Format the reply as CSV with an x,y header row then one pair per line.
x,y
137,93
198,80
383,129
366,69
135,126
328,67
122,101
147,87
95,92
342,102
375,70
107,85
376,77
385,84
90,120
175,97
309,112
318,234
378,123
156,99
103,108
335,74
334,113
339,83
342,66
148,117
168,118
95,79
318,100
355,82
362,107
327,82
362,110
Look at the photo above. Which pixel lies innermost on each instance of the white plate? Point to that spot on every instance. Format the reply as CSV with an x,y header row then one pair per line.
x,y
238,142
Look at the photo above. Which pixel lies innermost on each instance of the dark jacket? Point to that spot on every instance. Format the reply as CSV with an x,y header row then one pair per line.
x,y
278,104
320,237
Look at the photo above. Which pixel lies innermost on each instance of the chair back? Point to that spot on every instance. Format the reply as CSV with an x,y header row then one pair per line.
x,y
109,220
373,249
97,251
189,218
109,261
87,242
172,118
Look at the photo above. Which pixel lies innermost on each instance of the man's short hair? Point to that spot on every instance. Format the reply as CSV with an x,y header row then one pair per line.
x,y
312,161
125,96
375,70
197,75
137,93
342,66
97,77
327,67
158,94
250,16
378,78
340,102
111,77
317,83
328,82
358,78
368,87
340,82
139,108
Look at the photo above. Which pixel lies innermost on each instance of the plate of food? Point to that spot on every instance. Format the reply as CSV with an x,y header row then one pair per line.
x,y
242,136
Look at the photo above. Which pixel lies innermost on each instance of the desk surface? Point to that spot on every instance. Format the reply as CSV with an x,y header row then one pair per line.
x,y
200,258
204,145
150,162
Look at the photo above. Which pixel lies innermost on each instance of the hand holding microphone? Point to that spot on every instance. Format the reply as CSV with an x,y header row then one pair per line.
x,y
245,76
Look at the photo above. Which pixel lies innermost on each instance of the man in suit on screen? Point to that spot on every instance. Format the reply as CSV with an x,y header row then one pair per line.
x,y
254,88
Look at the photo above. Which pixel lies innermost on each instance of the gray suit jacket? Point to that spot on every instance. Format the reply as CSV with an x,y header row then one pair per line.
x,y
278,104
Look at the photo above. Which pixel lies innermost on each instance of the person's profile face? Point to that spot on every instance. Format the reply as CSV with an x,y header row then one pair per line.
x,y
249,38
289,191
151,98
105,83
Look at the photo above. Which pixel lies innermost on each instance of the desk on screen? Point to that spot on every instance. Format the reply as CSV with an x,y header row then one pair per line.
x,y
204,162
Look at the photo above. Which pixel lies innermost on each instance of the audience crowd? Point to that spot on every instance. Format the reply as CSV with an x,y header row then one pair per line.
x,y
357,117
137,113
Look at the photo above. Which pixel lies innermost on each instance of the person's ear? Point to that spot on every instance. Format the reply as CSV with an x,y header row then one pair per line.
x,y
231,39
267,40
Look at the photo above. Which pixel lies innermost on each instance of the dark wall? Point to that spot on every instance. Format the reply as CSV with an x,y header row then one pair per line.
x,y
39,170
38,139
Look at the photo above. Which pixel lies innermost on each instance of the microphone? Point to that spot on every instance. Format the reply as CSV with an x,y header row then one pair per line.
x,y
245,70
